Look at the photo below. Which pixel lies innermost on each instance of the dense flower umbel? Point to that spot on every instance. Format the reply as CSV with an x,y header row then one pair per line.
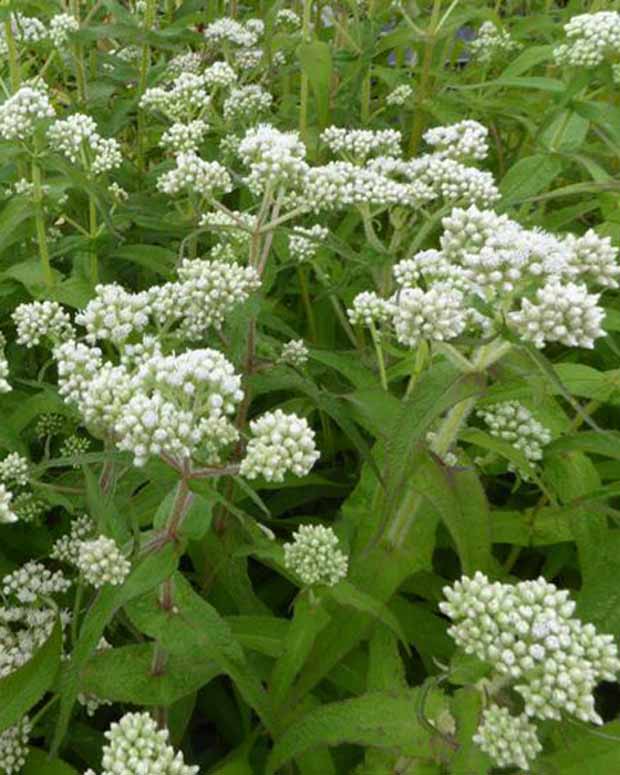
x,y
38,320
193,175
114,314
466,140
136,745
101,562
592,37
275,159
14,747
15,469
528,634
514,423
438,314
7,515
304,243
492,43
294,353
511,741
20,114
315,557
77,138
61,27
67,547
360,144
280,443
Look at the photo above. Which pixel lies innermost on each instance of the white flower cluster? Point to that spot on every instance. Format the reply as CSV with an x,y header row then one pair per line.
x,y
77,365
465,140
294,353
74,447
229,31
15,469
528,634
61,26
101,562
304,243
188,62
205,294
187,98
220,75
114,314
248,58
511,741
514,423
14,747
7,513
492,43
77,139
370,310
182,138
26,30
37,320
438,314
32,583
5,387
67,547
195,176
280,443
136,745
288,20
20,113
27,508
315,557
399,96
360,144
48,425
246,104
592,38
276,159
560,313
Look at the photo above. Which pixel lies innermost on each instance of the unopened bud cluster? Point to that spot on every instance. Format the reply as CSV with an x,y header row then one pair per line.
x,y
101,562
315,557
514,423
592,38
511,741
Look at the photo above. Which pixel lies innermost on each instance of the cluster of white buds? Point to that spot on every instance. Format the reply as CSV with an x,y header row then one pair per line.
x,y
32,583
592,38
438,314
528,634
182,138
137,745
188,62
399,96
61,27
288,20
248,58
428,267
294,353
74,447
195,176
117,192
561,313
465,140
229,31
280,443
246,104
5,387
15,469
594,258
26,30
205,294
114,314
91,702
492,43
101,562
360,144
304,243
315,557
370,309
39,320
20,113
276,159
186,99
67,547
511,741
454,181
77,138
14,747
77,365
514,423
27,508
48,424
7,514
220,75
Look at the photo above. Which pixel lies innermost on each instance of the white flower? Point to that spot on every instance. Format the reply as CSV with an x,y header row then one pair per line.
x,y
246,59
32,583
15,469
195,176
20,113
74,447
186,99
511,741
27,508
280,443
594,258
189,62
592,37
370,309
77,364
61,26
14,747
276,159
37,320
25,29
438,314
466,140
220,74
114,314
246,104
359,144
7,515
514,423
304,243
492,43
315,557
399,96
294,353
136,745
561,313
101,562
67,547
288,20
230,31
77,138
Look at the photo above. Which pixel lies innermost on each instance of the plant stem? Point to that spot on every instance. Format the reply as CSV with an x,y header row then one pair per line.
x,y
305,297
423,93
39,219
149,20
14,71
376,340
305,84
92,222
78,55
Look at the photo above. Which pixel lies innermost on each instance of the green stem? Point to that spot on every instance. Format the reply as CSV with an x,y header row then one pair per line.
x,y
78,55
14,70
92,221
305,297
149,21
305,84
75,617
423,92
39,220
376,340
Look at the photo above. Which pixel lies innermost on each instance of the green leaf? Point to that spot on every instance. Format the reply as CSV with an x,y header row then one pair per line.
x,y
316,63
17,210
375,719
24,687
40,763
529,176
466,708
584,750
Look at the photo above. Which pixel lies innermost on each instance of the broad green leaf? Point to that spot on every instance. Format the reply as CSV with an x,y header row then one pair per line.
x,y
24,687
595,751
529,176
466,708
316,63
40,763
